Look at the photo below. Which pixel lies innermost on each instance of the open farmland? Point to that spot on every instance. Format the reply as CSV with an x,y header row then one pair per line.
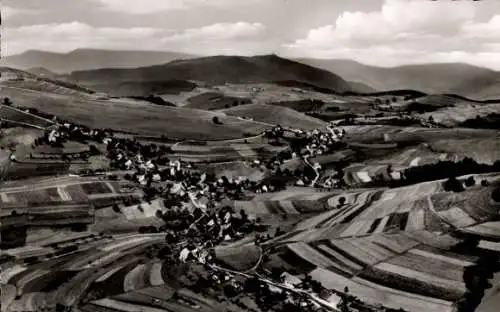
x,y
275,115
246,184
17,116
380,246
224,151
454,116
67,275
140,118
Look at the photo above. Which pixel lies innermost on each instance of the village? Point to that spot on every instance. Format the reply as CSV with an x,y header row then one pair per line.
x,y
200,216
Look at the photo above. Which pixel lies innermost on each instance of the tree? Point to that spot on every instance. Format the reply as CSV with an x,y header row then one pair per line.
x,y
94,150
485,182
276,274
116,208
216,120
470,182
431,119
341,201
496,195
7,101
452,184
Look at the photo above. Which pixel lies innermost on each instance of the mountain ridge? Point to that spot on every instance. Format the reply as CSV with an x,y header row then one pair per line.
x,y
217,70
84,59
460,78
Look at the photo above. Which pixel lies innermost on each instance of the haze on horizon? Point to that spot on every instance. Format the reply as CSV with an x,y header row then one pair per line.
x,y
375,32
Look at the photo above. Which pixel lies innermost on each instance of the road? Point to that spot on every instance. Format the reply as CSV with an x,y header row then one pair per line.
x,y
306,160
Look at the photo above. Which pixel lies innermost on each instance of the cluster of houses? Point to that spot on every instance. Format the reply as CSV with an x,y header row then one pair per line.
x,y
322,142
67,131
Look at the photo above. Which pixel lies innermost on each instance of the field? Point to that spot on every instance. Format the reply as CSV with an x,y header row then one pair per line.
x,y
233,170
388,246
137,117
64,276
224,152
453,116
269,114
17,116
214,101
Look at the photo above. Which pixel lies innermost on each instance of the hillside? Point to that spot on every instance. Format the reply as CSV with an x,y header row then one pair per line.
x,y
277,115
134,116
86,59
462,79
11,77
217,70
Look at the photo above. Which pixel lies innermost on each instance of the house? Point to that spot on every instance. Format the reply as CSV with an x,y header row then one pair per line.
x,y
291,280
142,179
184,254
300,183
156,177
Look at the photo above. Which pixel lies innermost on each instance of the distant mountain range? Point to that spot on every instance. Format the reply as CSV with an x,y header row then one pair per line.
x,y
150,70
457,78
85,59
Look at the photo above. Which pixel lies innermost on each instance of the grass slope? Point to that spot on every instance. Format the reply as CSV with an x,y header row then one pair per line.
x,y
275,115
136,117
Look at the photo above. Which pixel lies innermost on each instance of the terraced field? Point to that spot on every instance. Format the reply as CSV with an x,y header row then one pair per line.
x,y
64,276
388,246
380,133
224,151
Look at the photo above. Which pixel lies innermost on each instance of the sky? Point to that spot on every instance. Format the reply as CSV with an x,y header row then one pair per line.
x,y
374,32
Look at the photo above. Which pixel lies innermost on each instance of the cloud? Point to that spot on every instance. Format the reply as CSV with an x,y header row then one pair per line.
x,y
219,31
154,6
406,31
65,37
8,12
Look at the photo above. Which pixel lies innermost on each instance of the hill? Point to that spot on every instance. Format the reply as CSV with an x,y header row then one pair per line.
x,y
86,59
17,78
217,70
131,116
276,115
459,78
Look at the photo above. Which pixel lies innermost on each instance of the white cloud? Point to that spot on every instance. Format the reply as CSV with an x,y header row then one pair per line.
x,y
155,6
407,31
229,37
